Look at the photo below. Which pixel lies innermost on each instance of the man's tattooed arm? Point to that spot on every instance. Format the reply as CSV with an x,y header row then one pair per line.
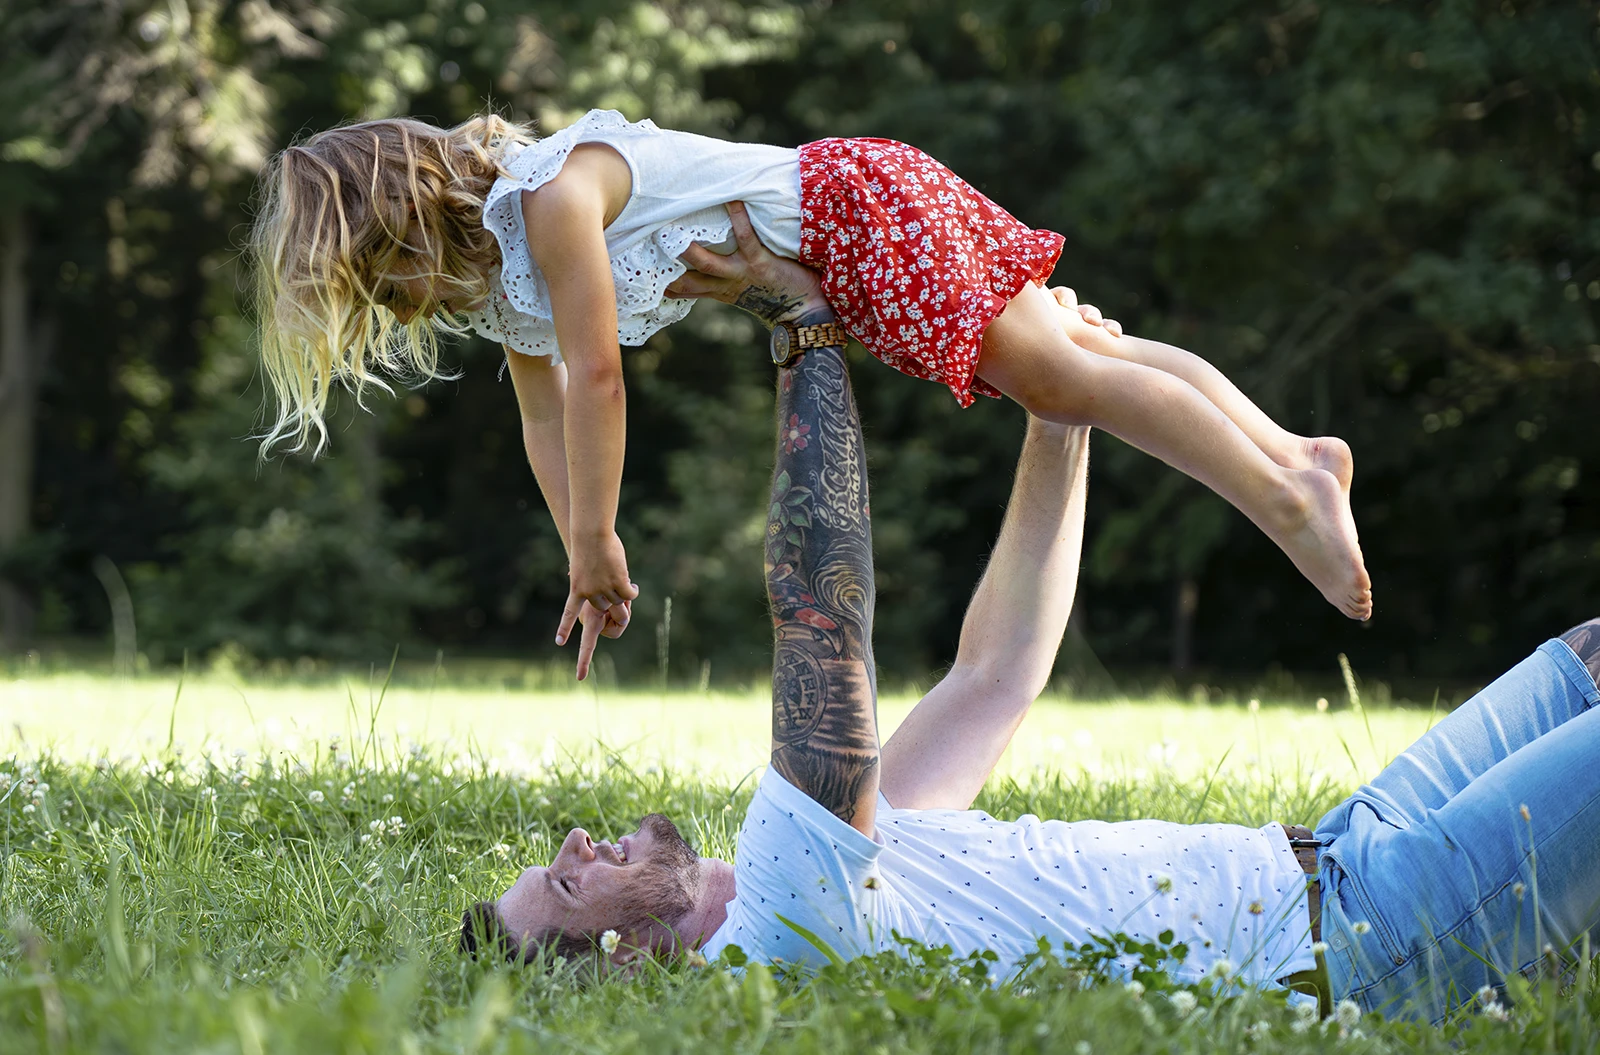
x,y
771,306
819,582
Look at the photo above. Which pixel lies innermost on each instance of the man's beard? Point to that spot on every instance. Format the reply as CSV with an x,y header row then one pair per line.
x,y
667,886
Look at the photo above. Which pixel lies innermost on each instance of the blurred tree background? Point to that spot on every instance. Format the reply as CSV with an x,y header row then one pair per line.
x,y
1381,218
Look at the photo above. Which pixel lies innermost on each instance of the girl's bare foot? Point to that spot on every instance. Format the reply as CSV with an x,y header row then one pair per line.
x,y
1324,452
1319,535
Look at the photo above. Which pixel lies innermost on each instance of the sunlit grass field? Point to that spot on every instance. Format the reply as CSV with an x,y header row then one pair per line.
x,y
263,866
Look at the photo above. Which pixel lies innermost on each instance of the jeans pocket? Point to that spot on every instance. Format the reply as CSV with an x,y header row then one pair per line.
x,y
1353,927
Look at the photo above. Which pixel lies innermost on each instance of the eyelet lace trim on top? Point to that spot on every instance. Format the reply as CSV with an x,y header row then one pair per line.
x,y
517,312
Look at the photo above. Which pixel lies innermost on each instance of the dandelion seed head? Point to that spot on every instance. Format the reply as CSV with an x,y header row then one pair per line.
x,y
1136,988
1163,882
29,808
1184,1002
1223,968
1495,1011
1361,926
1523,809
1518,890
1487,995
315,798
608,942
1257,908
1318,948
1347,1013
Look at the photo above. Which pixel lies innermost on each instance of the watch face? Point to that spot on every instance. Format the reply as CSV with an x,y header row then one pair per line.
x,y
781,344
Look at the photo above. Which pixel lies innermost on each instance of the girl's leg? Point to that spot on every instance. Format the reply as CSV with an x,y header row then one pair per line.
x,y
1027,356
1279,444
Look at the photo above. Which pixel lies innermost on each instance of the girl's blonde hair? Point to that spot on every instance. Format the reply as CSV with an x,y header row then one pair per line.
x,y
343,214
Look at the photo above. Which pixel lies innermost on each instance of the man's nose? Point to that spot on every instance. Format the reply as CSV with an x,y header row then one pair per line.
x,y
578,845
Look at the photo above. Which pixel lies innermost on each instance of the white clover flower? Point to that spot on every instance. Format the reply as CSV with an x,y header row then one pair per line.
x,y
315,798
1361,926
1136,988
1495,1011
1257,1029
1222,969
608,942
451,876
41,789
694,958
38,799
365,839
376,827
1318,948
500,850
1082,1048
1347,1013
1163,883
29,808
1184,1002
208,793
396,825
413,777
341,759
1306,1012
387,799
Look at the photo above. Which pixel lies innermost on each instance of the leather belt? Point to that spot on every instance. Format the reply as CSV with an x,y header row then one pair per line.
x,y
1304,843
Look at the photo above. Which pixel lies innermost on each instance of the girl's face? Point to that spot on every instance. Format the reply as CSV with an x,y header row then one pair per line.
x,y
407,296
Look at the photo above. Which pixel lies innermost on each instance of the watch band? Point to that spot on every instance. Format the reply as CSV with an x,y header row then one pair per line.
x,y
789,340
821,335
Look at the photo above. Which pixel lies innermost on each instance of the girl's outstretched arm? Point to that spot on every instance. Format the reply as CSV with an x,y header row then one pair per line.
x,y
566,226
541,398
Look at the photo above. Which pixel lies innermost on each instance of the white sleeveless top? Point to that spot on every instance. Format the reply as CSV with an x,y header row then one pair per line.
x,y
681,183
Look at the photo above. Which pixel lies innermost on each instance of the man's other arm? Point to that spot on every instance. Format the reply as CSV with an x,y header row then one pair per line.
x,y
820,585
944,751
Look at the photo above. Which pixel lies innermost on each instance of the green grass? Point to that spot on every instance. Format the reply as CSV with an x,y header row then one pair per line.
x,y
232,895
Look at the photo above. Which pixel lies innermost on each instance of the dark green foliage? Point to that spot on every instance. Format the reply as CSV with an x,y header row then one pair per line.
x,y
1379,218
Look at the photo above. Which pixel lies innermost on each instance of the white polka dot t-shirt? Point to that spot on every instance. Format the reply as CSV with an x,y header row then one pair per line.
x,y
966,879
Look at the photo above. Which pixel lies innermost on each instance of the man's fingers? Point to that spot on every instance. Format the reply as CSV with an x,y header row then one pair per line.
x,y
617,620
699,258
586,643
743,231
692,284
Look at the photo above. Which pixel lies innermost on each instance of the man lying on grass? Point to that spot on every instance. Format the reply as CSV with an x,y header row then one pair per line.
x,y
1426,887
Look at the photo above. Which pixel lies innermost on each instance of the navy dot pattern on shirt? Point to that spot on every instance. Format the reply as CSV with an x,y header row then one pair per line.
x,y
965,878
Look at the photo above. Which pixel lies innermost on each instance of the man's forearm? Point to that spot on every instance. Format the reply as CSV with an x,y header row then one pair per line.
x,y
820,585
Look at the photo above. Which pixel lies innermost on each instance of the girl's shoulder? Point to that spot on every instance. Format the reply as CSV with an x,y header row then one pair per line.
x,y
528,166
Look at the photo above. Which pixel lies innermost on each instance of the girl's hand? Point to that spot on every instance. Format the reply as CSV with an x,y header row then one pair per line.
x,y
599,575
597,624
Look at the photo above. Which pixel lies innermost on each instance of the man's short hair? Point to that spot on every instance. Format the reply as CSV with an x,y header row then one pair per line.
x,y
482,930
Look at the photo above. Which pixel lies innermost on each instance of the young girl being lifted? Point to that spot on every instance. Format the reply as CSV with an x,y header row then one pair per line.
x,y
373,236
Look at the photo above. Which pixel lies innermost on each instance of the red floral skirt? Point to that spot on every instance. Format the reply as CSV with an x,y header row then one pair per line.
x,y
915,261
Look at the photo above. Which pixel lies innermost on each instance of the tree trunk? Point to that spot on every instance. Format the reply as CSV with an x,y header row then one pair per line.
x,y
1185,600
19,386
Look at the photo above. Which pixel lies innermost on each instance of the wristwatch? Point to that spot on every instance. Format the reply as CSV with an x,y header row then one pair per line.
x,y
789,340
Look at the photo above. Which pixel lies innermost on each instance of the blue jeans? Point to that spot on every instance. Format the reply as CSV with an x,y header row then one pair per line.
x,y
1457,889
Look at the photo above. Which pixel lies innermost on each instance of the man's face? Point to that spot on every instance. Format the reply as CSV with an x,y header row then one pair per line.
x,y
640,886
